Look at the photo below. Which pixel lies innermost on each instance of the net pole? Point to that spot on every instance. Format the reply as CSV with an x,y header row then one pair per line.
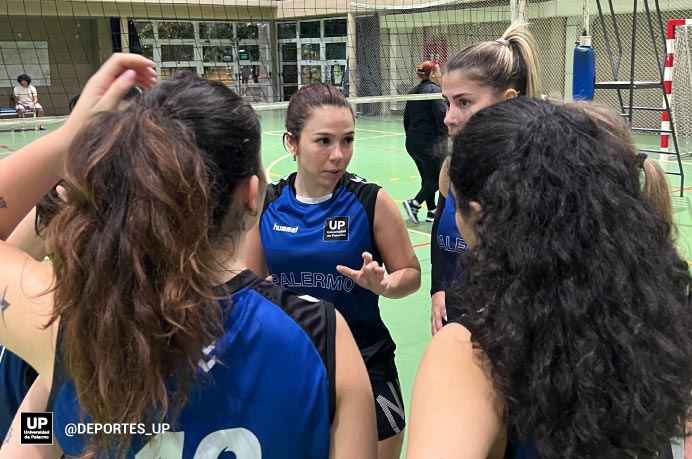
x,y
524,10
668,82
352,61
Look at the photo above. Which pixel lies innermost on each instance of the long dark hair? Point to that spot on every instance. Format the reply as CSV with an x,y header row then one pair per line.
x,y
583,302
150,202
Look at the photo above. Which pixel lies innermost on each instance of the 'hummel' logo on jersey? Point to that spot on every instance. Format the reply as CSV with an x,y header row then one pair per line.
x,y
285,229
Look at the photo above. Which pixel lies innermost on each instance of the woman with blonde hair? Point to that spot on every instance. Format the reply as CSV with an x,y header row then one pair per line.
x,y
479,76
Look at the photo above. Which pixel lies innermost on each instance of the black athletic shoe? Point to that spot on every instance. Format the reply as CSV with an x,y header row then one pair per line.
x,y
430,217
411,210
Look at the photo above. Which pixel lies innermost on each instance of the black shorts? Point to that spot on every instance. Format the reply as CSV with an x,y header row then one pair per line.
x,y
389,404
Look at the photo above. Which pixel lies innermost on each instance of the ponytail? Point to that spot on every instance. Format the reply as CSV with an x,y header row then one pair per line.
x,y
510,62
151,207
656,188
616,132
425,69
521,40
134,268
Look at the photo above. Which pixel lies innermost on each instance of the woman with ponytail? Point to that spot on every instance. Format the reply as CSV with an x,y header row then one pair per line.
x,y
148,316
479,76
426,138
655,183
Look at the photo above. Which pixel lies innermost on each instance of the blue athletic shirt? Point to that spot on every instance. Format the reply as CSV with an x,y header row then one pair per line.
x,y
303,244
16,377
271,395
449,240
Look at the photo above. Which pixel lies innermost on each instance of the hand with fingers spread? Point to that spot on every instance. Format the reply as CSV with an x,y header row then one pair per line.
x,y
371,275
106,88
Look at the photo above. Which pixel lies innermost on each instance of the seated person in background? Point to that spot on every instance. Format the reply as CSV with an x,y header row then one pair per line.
x,y
26,96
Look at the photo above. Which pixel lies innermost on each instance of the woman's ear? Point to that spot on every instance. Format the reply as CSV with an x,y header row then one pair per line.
x,y
511,93
248,192
476,207
291,143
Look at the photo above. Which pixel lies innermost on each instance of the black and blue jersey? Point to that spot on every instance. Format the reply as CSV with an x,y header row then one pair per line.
x,y
266,387
304,242
16,377
448,238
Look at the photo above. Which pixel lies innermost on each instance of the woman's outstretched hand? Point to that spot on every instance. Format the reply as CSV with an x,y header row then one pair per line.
x,y
370,276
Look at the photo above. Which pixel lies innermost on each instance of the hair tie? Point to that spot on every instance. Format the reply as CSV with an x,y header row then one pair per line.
x,y
502,41
641,157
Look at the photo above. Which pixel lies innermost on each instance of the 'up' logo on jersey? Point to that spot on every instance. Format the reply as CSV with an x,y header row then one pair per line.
x,y
335,229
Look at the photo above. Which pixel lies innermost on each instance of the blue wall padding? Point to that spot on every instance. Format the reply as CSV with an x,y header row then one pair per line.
x,y
584,73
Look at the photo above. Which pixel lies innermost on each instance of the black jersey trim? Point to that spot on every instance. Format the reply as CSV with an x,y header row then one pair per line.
x,y
316,317
366,193
330,363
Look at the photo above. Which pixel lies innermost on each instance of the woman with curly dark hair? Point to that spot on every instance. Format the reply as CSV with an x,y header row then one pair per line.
x,y
580,345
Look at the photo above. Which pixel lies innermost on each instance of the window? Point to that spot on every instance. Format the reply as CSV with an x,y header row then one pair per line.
x,y
144,29
289,52
216,30
176,30
247,31
335,51
335,28
177,53
287,31
250,73
248,53
310,74
148,51
290,74
217,54
310,52
222,74
310,29
167,72
289,91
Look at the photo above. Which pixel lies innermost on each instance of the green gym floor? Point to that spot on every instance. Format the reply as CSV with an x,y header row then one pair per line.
x,y
380,156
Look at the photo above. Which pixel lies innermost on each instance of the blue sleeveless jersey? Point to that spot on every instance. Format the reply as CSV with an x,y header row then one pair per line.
x,y
521,449
16,377
303,244
271,394
449,240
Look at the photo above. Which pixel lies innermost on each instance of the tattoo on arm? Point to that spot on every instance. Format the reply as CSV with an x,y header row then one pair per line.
x,y
4,304
3,203
8,436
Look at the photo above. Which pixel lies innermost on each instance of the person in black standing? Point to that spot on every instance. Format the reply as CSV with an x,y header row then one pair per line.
x,y
426,135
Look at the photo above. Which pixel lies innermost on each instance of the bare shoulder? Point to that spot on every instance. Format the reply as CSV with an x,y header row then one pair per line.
x,y
454,409
387,215
19,270
26,300
452,350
